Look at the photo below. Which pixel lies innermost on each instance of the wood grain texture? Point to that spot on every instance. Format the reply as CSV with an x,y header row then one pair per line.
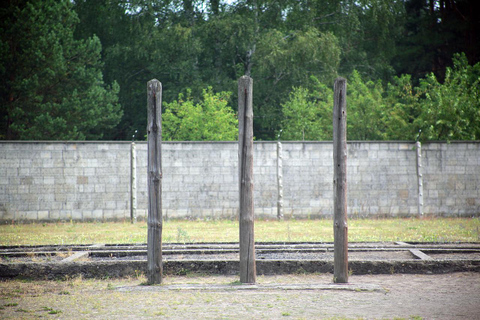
x,y
340,226
154,130
248,271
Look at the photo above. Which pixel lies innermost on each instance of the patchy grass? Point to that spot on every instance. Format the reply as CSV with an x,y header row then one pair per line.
x,y
444,295
364,230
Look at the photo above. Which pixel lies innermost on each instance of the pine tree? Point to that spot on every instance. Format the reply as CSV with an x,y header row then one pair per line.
x,y
52,86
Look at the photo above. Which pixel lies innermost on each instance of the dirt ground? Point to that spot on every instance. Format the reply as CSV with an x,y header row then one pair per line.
x,y
397,296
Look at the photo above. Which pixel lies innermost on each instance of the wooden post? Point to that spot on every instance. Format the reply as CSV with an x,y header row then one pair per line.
x,y
279,181
154,130
340,227
248,272
133,183
419,177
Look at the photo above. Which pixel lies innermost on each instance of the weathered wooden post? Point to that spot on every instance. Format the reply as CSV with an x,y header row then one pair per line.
x,y
248,272
154,130
419,177
340,227
279,181
133,183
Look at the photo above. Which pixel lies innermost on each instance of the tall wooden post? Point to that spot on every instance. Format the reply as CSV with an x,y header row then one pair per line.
x,y
133,183
154,130
418,145
340,227
279,181
248,272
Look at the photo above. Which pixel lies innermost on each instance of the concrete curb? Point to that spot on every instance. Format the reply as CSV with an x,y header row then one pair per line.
x,y
254,287
117,269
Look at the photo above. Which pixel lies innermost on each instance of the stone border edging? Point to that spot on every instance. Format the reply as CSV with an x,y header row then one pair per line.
x,y
117,269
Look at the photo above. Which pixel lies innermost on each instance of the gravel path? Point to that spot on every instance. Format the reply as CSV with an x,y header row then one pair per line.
x,y
447,296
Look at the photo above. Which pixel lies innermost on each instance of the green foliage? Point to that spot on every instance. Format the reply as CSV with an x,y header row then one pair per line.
x,y
373,113
211,119
295,56
451,111
52,64
433,32
307,115
365,109
397,111
402,108
52,86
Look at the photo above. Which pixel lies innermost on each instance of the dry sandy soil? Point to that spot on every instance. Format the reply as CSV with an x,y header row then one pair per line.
x,y
398,296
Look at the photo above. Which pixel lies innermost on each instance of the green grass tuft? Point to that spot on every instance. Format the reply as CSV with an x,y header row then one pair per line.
x,y
361,230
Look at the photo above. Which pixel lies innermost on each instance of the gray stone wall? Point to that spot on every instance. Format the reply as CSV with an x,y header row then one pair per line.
x,y
91,180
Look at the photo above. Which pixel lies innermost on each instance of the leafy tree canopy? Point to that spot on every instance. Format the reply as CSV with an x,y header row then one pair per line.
x,y
308,114
451,111
211,119
395,111
52,86
397,54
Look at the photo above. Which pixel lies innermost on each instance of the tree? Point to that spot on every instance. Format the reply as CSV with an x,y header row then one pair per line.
x,y
52,85
402,108
286,60
366,111
367,31
211,119
451,111
282,44
434,31
308,114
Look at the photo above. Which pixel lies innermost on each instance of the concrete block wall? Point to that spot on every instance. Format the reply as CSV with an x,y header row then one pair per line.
x,y
63,181
452,178
200,179
91,180
381,179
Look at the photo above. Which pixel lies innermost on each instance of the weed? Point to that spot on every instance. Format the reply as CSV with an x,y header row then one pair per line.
x,y
11,304
139,274
184,272
74,281
32,256
285,314
182,235
300,271
65,254
51,311
22,310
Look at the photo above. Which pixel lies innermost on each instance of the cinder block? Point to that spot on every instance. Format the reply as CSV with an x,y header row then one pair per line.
x,y
77,215
108,214
7,213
